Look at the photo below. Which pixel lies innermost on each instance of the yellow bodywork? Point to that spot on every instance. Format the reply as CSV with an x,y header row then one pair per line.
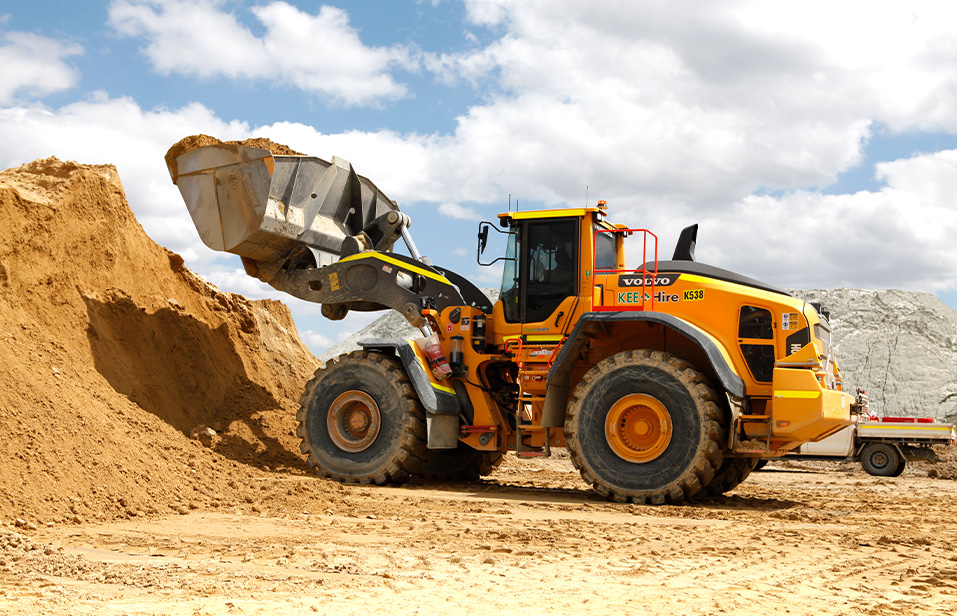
x,y
797,398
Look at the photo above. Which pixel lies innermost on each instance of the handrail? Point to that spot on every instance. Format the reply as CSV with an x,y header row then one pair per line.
x,y
643,270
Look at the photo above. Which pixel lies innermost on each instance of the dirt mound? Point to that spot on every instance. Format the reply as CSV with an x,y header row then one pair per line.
x,y
198,141
113,353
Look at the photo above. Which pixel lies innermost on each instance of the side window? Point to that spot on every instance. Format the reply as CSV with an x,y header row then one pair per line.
x,y
510,276
552,249
605,254
755,323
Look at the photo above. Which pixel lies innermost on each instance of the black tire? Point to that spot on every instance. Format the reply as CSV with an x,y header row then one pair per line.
x,y
881,459
900,468
461,463
670,389
729,475
360,421
761,463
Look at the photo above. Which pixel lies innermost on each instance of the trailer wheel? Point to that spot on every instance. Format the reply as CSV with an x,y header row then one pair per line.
x,y
644,426
731,473
881,460
463,462
361,422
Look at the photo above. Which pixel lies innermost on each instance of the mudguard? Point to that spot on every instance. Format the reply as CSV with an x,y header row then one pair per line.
x,y
557,384
438,399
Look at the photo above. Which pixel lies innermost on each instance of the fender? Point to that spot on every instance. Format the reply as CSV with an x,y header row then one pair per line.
x,y
437,399
557,384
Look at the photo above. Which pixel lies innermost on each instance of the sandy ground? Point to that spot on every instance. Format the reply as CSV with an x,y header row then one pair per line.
x,y
793,539
150,466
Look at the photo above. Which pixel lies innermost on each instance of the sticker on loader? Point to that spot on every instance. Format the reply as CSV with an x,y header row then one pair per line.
x,y
790,320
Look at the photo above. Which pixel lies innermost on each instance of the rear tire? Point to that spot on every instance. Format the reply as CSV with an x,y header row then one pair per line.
x,y
731,473
881,460
644,426
361,422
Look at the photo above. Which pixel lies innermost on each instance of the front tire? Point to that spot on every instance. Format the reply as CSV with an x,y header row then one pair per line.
x,y
361,422
644,426
881,460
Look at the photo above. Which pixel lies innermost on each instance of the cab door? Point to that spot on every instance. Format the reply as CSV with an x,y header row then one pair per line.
x,y
756,341
540,286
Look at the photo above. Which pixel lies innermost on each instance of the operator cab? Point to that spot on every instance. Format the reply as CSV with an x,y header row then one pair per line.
x,y
543,274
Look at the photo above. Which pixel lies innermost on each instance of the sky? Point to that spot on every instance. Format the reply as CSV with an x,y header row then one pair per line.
x,y
815,143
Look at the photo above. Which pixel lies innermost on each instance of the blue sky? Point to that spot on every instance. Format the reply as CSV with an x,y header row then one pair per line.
x,y
814,142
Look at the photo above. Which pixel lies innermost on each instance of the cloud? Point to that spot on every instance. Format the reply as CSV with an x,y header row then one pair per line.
x,y
318,53
235,280
32,65
315,341
695,108
454,210
900,236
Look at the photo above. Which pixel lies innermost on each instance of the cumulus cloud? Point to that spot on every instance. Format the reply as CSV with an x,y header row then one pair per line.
x,y
318,53
900,236
697,107
316,341
32,65
454,210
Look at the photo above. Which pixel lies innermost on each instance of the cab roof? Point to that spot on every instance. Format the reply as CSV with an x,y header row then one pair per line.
x,y
556,213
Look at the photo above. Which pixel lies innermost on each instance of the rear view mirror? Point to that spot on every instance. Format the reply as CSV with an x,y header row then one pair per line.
x,y
484,226
482,236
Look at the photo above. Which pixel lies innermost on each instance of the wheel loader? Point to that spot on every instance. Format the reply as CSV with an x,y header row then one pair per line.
x,y
663,380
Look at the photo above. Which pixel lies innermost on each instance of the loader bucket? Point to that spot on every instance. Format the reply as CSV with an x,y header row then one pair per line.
x,y
251,203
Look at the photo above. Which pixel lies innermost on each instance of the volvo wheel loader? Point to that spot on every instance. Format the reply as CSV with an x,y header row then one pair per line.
x,y
664,380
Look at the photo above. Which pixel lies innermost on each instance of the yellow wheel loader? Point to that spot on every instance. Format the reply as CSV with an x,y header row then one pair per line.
x,y
664,379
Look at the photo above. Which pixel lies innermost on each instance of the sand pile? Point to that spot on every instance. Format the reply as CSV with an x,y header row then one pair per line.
x,y
199,141
113,353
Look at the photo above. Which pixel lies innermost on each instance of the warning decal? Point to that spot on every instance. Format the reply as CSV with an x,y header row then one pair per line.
x,y
790,320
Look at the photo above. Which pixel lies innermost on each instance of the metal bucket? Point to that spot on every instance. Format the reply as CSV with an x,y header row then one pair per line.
x,y
251,203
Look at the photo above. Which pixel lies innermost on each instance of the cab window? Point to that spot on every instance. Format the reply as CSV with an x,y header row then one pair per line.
x,y
510,292
605,253
552,248
757,324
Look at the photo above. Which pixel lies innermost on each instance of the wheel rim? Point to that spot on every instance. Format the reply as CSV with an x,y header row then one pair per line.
x,y
879,459
353,421
638,428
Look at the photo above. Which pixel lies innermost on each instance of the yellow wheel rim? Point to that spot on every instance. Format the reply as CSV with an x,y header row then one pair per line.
x,y
353,421
638,428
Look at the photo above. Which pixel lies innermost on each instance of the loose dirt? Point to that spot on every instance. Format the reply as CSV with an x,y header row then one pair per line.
x,y
150,467
532,539
197,141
